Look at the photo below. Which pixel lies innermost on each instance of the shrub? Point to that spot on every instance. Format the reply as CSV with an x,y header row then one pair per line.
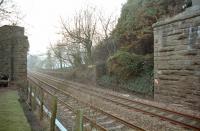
x,y
124,64
142,84
148,63
107,81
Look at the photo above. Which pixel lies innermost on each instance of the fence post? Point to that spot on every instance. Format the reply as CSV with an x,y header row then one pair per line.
x,y
30,97
53,114
34,99
27,90
42,103
79,121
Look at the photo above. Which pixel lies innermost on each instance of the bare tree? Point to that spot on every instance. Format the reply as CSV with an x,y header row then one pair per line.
x,y
48,62
58,53
81,30
1,2
3,10
86,29
71,53
107,23
74,54
9,13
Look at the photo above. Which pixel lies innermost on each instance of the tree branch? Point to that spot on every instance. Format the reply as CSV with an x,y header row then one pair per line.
x,y
1,2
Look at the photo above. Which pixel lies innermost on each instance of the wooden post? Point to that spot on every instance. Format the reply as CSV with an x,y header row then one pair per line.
x,y
34,99
27,87
30,97
53,113
41,104
79,121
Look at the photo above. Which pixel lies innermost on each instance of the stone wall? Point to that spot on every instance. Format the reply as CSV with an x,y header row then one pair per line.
x,y
13,52
177,59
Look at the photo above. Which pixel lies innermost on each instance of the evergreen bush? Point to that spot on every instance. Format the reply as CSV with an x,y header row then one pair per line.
x,y
124,64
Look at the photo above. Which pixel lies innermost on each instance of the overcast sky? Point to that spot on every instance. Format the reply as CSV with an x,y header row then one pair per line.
x,y
42,17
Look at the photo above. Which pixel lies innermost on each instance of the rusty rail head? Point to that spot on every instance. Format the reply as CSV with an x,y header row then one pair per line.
x,y
146,112
92,106
68,106
84,117
187,115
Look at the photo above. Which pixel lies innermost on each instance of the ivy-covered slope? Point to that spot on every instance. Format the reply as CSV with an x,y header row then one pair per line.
x,y
134,29
128,52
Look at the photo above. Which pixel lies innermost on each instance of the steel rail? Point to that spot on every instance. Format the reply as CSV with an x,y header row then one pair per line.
x,y
145,112
95,108
67,105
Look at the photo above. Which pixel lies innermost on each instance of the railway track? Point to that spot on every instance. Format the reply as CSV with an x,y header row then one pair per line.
x,y
184,120
104,121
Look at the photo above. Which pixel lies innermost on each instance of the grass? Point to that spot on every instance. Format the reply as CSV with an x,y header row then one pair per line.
x,y
12,117
141,84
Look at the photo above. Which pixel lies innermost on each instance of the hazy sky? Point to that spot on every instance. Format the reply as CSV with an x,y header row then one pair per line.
x,y
42,17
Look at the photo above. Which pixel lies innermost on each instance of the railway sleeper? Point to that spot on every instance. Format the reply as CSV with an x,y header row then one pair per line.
x,y
86,109
90,110
101,117
107,122
114,127
180,119
93,114
162,113
86,125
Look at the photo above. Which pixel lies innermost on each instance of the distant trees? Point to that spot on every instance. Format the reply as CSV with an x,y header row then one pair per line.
x,y
73,53
67,54
34,62
59,53
49,61
43,61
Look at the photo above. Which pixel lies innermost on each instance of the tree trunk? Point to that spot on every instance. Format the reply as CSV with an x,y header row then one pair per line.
x,y
61,63
89,52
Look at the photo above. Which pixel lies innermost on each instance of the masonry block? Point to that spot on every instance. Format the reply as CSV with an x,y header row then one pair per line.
x,y
177,59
